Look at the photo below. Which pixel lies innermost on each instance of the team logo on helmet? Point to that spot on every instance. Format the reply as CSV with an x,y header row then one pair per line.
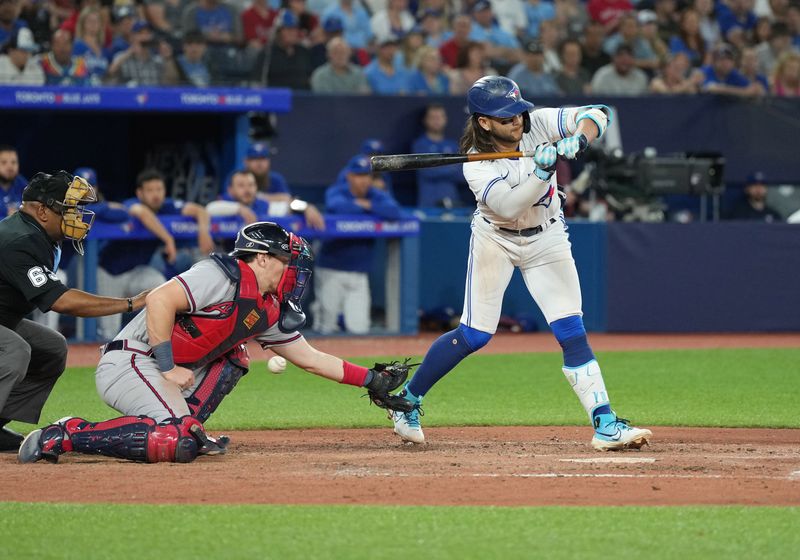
x,y
514,94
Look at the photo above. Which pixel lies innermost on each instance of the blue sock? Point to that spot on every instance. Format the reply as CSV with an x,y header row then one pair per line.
x,y
571,335
445,354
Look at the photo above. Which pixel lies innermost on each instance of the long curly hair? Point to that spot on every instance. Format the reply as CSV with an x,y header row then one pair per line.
x,y
476,137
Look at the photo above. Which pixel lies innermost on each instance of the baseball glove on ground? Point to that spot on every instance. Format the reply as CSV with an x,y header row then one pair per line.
x,y
385,379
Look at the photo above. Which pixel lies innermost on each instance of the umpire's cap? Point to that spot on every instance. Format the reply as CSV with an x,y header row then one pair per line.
x,y
51,190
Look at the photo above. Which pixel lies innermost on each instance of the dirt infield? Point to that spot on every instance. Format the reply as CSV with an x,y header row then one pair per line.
x,y
508,466
504,466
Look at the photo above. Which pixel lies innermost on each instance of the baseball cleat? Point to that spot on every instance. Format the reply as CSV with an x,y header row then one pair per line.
x,y
615,434
407,426
45,443
9,439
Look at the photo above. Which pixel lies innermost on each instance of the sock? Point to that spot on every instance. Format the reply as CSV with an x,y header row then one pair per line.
x,y
580,365
444,354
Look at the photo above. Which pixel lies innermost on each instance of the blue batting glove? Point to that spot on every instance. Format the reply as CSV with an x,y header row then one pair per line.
x,y
545,159
572,146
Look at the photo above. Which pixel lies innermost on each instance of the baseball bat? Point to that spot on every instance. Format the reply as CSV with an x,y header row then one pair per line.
x,y
400,162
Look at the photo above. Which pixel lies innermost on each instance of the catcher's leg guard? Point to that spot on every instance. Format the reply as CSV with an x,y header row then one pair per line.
x,y
222,376
137,438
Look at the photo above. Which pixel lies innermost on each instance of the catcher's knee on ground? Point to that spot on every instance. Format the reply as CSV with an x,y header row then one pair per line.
x,y
175,440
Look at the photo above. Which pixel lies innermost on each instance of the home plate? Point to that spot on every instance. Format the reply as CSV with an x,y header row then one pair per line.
x,y
611,460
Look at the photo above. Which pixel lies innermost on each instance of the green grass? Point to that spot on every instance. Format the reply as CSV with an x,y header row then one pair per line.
x,y
43,531
726,387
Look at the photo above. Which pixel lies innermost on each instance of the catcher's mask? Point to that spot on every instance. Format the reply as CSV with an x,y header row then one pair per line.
x,y
65,195
272,239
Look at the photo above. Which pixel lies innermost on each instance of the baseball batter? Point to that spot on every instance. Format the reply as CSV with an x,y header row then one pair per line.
x,y
171,366
519,223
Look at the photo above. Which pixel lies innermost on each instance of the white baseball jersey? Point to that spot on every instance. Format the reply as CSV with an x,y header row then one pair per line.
x,y
510,196
129,379
491,180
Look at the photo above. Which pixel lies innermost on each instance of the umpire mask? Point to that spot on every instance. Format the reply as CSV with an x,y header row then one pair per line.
x,y
66,195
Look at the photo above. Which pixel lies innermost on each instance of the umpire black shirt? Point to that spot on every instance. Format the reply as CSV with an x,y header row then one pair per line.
x,y
27,279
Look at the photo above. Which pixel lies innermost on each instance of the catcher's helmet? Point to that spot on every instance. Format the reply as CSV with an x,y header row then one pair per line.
x,y
496,96
272,239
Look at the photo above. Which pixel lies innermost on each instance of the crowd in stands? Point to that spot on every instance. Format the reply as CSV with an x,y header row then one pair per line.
x,y
408,47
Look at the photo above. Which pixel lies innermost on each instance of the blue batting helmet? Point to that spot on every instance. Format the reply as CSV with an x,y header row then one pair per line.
x,y
496,96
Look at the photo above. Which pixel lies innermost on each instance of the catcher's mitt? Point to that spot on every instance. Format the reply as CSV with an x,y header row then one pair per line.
x,y
385,379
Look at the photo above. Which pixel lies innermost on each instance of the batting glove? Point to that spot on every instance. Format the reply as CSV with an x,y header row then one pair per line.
x,y
545,159
572,146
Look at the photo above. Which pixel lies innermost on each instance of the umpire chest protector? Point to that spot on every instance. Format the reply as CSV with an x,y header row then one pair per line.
x,y
198,339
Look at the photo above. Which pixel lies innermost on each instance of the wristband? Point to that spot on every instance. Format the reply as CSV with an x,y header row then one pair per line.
x,y
130,305
163,355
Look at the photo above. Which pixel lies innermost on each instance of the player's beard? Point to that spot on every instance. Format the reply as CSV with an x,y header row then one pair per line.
x,y
512,136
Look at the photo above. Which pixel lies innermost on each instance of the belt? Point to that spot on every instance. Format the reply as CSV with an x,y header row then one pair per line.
x,y
527,232
127,345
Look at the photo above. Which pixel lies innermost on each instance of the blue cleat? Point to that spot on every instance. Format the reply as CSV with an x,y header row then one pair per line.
x,y
406,424
612,433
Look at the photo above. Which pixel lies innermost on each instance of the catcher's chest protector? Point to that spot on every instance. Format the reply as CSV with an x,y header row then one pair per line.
x,y
198,339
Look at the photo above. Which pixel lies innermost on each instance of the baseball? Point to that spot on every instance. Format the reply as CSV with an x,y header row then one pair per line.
x,y
276,364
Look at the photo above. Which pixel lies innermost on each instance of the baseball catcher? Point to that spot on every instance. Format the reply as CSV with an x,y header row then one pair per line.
x,y
169,369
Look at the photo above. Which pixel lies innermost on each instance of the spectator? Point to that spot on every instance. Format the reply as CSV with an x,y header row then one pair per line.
x,y
608,12
721,76
219,22
571,16
434,28
648,31
676,77
257,23
530,76
550,37
10,24
37,17
122,18
273,188
762,31
780,42
11,182
450,49
407,55
502,48
748,66
593,57
139,65
89,41
240,199
60,67
537,11
429,79
753,206
573,78
191,63
689,40
628,32
339,75
786,76
437,186
394,20
621,77
164,16
308,22
17,63
383,75
471,66
511,16
288,63
357,30
736,21
668,16
343,265
709,26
